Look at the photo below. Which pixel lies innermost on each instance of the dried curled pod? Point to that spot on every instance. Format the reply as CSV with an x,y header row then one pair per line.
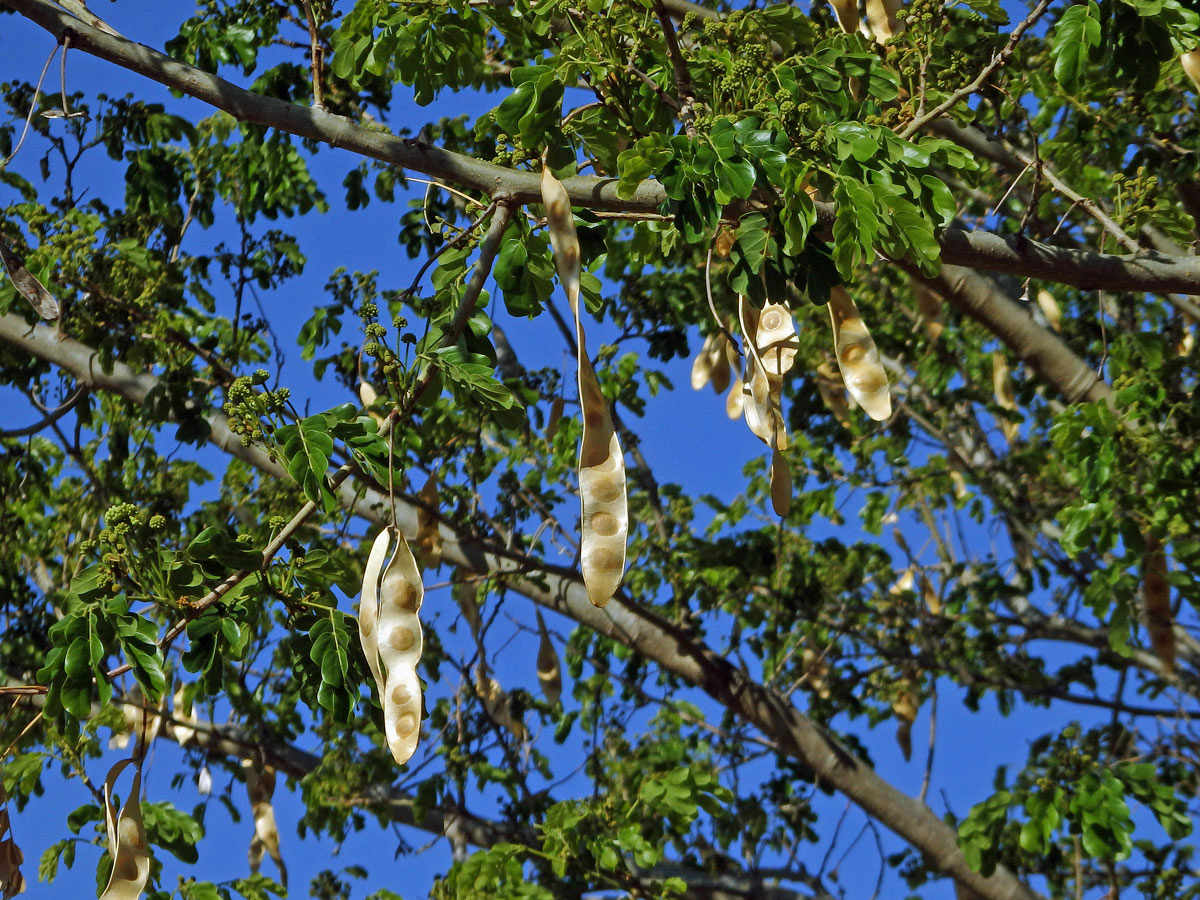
x,y
260,788
905,709
605,511
552,420
12,882
781,484
847,14
1002,389
1049,307
428,542
882,20
775,340
549,671
761,394
1156,603
126,837
858,359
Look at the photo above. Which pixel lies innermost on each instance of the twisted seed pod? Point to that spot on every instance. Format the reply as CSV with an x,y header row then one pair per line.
x,y
12,882
1002,388
400,645
775,340
858,359
605,513
882,21
126,837
1049,307
260,788
549,672
781,484
1156,603
429,539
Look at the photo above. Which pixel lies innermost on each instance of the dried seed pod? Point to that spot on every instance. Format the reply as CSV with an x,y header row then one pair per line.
x,y
1156,603
462,588
931,307
833,393
735,400
181,711
719,378
858,359
400,645
12,882
428,541
556,411
760,393
497,704
1191,64
904,583
775,340
847,14
702,365
126,837
781,484
1002,388
605,513
725,239
260,788
204,781
368,607
369,398
905,709
882,21
932,600
815,670
1049,308
549,672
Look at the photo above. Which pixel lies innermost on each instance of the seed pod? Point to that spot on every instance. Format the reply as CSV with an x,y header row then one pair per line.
x,y
369,398
1002,389
260,788
931,307
760,393
400,645
1049,308
463,591
725,238
905,709
1191,64
429,538
549,672
815,669
857,357
882,21
702,365
775,340
904,583
556,411
1156,603
833,393
781,484
735,400
181,711
12,882
368,607
605,513
720,376
204,782
847,14
497,704
126,837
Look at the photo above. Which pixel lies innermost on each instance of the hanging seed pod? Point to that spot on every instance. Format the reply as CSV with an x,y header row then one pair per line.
x,y
858,359
719,378
132,714
725,239
556,411
1156,603
932,309
181,712
932,601
847,14
904,583
549,672
760,395
260,788
1191,64
462,588
702,365
368,607
429,538
497,704
882,21
204,782
12,882
400,645
905,709
605,513
369,398
126,837
1049,308
833,393
1002,389
815,670
775,340
735,400
781,484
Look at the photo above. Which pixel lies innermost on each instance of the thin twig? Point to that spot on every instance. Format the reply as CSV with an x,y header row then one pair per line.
x,y
317,53
37,92
683,79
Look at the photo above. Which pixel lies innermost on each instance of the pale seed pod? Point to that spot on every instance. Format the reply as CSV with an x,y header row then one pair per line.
x,y
1002,389
720,376
760,394
462,588
368,607
604,507
428,541
932,601
1191,64
549,671
497,704
12,882
781,484
1049,308
181,711
932,310
204,782
1156,603
775,340
904,738
556,411
126,837
735,400
702,365
260,788
847,14
858,359
833,393
904,583
815,670
400,646
882,21
369,397
905,709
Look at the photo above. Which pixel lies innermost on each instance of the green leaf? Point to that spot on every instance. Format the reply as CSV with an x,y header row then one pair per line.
x,y
1076,35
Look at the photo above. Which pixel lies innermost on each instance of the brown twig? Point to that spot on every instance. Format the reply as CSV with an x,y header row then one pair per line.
x,y
683,78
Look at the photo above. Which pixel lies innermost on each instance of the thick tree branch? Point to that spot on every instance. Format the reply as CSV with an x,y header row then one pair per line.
x,y
982,250
673,649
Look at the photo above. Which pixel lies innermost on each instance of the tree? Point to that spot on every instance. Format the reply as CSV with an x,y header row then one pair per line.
x,y
995,203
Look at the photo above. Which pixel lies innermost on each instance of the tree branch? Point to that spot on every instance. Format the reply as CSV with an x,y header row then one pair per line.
x,y
982,250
